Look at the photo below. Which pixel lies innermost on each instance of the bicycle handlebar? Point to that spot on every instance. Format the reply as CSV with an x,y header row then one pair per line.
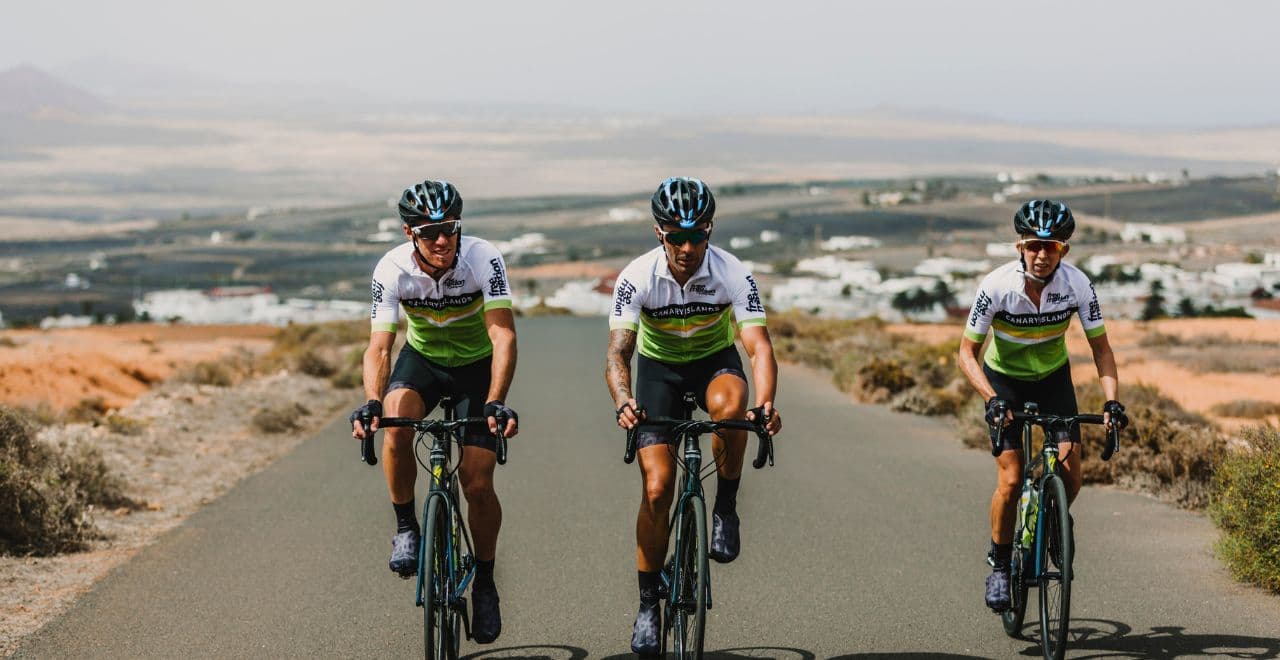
x,y
439,426
764,449
1049,422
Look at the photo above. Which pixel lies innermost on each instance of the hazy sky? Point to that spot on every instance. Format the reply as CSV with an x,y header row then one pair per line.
x,y
1091,62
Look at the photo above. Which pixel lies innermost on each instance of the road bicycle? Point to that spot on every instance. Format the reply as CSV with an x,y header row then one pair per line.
x,y
1043,543
446,559
686,579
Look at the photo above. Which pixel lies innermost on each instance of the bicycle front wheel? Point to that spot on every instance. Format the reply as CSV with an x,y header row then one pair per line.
x,y
1055,550
439,632
688,612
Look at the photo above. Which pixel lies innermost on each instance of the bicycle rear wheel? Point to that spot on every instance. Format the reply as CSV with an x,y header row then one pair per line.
x,y
439,627
688,615
1055,551
1019,569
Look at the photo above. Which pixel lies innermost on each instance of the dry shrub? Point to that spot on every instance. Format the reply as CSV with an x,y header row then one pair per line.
x,y
279,418
879,380
1246,408
1246,505
207,373
46,492
88,409
1157,339
926,400
311,363
1167,450
7,342
124,425
351,373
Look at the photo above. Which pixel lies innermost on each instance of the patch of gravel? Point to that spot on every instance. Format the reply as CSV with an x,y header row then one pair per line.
x,y
190,444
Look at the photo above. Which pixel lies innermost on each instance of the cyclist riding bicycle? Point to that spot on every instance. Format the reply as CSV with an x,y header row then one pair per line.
x,y
461,342
677,300
1028,303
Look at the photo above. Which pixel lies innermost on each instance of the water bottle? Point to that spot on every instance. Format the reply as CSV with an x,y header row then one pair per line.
x,y
1029,522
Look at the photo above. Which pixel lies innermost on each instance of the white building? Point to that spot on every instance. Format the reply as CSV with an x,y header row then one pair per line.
x,y
740,242
861,274
947,268
243,305
583,297
1138,232
625,214
1003,250
837,243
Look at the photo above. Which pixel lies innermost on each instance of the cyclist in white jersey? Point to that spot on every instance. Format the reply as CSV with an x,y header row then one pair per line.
x,y
1027,305
461,341
683,302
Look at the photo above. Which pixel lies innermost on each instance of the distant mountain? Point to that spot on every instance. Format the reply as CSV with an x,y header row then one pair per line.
x,y
25,90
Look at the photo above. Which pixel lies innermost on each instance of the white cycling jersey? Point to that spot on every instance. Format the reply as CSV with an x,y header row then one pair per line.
x,y
679,324
1029,341
445,317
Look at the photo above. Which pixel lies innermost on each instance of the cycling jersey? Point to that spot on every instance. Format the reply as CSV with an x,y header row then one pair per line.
x,y
1029,342
679,324
445,317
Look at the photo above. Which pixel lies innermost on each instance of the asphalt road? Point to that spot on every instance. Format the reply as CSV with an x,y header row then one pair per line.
x,y
865,540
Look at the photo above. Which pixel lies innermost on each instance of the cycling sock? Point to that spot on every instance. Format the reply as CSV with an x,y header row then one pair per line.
x,y
1000,554
484,573
650,582
405,520
726,495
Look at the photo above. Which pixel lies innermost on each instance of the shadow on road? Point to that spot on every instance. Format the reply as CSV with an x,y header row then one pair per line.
x,y
907,656
752,653
530,652
1113,639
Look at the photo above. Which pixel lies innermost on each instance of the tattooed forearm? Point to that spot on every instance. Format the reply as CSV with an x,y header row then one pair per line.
x,y
617,370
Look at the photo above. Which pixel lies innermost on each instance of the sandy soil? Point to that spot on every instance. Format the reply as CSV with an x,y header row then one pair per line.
x,y
171,473
1137,364
59,368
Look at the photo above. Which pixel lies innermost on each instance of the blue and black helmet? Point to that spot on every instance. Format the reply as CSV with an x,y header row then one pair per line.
x,y
431,201
1044,218
683,201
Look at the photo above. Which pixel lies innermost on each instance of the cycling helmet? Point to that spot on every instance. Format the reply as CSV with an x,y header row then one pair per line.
x,y
431,201
683,201
1044,218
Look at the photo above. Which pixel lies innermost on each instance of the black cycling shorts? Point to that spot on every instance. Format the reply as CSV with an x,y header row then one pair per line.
x,y
660,388
468,385
1055,394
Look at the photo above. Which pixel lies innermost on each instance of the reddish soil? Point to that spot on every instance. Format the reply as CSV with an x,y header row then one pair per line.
x,y
59,368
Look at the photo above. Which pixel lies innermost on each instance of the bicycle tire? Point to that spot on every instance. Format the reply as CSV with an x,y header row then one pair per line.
x,y
689,588
439,639
1013,617
1055,552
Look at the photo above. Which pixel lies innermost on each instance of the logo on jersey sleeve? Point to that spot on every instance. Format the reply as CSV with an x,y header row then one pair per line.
x,y
376,292
753,296
981,307
1095,310
498,283
626,291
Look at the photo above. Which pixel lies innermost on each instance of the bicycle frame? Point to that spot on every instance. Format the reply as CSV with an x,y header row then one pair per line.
x,y
444,486
691,491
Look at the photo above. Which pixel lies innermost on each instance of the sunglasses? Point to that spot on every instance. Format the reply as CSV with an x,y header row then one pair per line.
x,y
696,236
1046,246
433,230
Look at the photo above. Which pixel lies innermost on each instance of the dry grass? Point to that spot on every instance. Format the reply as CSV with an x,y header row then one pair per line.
x,y
1246,409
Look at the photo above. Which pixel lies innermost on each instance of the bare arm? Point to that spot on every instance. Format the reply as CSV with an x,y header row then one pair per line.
x,y
376,368
969,359
501,325
1108,375
617,375
764,371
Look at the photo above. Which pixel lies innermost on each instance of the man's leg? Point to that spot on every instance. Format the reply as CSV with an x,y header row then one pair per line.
x,y
727,399
401,470
484,517
658,474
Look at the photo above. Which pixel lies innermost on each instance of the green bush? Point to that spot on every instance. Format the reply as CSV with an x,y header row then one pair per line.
x,y
1246,506
46,492
879,379
123,425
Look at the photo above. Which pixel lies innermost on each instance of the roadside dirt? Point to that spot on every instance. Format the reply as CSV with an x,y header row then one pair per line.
x,y
59,368
190,443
